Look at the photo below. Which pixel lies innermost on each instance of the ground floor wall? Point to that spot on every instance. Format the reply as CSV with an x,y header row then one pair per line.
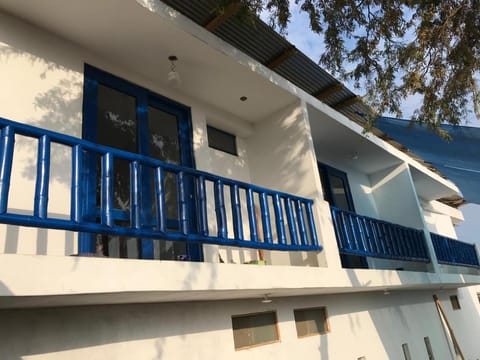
x,y
369,326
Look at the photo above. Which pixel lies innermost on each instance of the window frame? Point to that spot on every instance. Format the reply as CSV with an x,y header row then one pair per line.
x,y
325,171
326,323
406,351
455,302
223,132
428,346
275,326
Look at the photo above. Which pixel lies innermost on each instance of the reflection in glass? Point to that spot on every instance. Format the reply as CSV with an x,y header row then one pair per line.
x,y
339,193
117,127
163,135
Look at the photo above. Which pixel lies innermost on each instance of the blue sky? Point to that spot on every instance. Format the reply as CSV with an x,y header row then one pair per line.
x,y
311,44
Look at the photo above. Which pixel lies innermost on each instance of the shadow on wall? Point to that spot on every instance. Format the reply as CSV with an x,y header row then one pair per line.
x,y
12,239
397,317
57,109
169,327
4,290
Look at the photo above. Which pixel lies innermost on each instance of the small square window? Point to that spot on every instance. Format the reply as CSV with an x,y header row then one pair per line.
x,y
406,352
455,302
221,140
311,321
254,329
428,345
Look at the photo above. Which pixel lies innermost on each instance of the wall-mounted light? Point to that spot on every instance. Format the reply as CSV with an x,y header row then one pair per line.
x,y
266,299
173,75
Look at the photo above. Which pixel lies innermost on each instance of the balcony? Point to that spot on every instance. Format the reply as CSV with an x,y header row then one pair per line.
x,y
241,214
453,252
365,236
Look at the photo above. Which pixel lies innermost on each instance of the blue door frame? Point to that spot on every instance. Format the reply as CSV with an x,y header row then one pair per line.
x,y
326,172
144,98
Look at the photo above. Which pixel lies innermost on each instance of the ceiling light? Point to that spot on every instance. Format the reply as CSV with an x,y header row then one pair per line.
x,y
173,75
243,98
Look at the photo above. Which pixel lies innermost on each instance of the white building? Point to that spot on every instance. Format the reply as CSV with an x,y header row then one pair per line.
x,y
106,252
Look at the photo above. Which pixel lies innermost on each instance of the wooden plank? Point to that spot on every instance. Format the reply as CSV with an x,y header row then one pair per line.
x,y
277,60
329,91
347,102
230,10
458,351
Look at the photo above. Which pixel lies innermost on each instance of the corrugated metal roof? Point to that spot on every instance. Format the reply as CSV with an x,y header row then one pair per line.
x,y
264,44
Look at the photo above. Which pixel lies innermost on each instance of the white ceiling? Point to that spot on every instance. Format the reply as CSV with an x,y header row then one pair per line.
x,y
135,38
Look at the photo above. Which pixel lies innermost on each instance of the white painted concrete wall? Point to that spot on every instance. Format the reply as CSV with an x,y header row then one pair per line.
x,y
395,197
369,324
44,87
439,224
282,157
465,322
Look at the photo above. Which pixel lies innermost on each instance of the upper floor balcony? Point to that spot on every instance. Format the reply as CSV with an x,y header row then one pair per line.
x,y
361,237
128,205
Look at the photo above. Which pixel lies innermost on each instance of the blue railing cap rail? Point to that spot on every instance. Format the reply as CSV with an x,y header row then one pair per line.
x,y
374,219
33,131
452,239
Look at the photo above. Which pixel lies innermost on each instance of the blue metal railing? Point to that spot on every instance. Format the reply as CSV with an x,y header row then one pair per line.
x,y
292,216
453,252
365,236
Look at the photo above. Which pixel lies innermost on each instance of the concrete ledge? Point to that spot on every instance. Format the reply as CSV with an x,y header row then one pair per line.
x,y
33,280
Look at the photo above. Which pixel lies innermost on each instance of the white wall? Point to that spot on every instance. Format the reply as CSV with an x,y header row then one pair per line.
x,y
439,224
395,197
281,156
465,322
369,324
42,85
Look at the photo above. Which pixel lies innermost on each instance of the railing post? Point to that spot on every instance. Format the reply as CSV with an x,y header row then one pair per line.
x,y
182,203
135,208
267,228
107,189
252,219
311,225
236,212
160,200
220,209
280,223
7,144
76,189
40,208
301,223
292,227
202,206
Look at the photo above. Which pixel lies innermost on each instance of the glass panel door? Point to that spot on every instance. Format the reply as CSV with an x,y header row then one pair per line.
x,y
117,127
164,145
125,116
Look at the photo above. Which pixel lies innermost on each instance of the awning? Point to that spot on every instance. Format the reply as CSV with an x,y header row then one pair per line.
x,y
458,159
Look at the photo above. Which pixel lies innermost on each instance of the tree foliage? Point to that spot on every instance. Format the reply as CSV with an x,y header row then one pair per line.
x,y
393,49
